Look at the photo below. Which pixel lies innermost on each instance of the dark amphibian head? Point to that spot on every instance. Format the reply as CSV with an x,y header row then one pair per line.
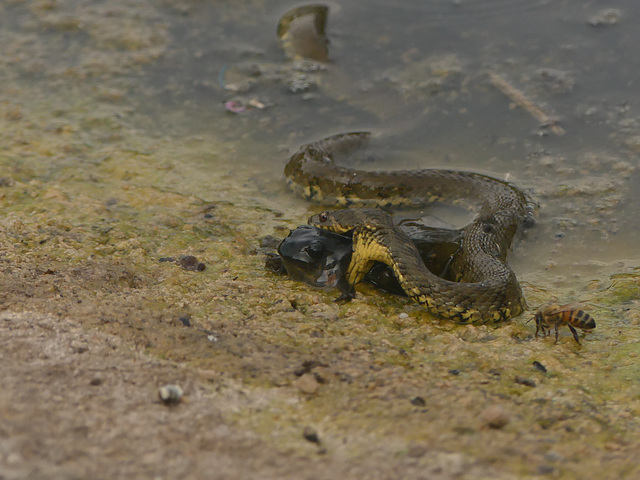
x,y
314,256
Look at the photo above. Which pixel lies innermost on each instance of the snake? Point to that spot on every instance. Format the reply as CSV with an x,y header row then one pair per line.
x,y
484,288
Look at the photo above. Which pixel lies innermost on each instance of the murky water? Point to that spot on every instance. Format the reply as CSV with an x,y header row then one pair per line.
x,y
417,73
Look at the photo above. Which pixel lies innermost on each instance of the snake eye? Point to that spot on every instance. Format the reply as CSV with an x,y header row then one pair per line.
x,y
323,217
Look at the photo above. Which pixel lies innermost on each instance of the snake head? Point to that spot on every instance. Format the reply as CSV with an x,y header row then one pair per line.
x,y
351,219
321,220
328,220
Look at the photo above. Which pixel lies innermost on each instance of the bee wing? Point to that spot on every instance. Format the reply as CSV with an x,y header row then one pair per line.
x,y
569,307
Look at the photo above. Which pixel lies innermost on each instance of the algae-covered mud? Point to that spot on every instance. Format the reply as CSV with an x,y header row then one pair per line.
x,y
141,186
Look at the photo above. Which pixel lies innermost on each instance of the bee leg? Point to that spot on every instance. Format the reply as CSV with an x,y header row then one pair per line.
x,y
575,334
556,333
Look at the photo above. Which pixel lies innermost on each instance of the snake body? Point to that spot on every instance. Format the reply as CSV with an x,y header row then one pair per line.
x,y
486,289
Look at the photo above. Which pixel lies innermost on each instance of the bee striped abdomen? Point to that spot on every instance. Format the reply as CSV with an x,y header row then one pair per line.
x,y
583,320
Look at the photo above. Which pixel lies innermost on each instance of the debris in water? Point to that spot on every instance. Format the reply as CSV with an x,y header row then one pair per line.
x,y
234,106
302,32
519,99
239,105
605,18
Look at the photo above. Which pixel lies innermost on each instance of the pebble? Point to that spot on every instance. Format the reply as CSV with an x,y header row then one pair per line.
x,y
170,394
307,383
495,417
538,366
191,263
311,435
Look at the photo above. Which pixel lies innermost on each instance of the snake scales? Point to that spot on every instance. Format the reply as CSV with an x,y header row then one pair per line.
x,y
486,289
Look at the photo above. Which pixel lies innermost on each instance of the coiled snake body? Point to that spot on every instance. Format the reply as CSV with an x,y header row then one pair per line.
x,y
487,289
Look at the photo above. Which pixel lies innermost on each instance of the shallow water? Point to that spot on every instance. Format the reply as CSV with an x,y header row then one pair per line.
x,y
416,73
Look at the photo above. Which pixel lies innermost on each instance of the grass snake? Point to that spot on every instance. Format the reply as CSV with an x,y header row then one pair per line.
x,y
485,289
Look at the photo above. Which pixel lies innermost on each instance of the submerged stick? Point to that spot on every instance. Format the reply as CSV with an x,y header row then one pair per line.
x,y
523,102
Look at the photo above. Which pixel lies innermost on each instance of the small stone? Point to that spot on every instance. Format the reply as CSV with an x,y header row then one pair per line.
x,y
538,366
186,320
191,263
418,401
495,417
95,381
311,435
307,383
170,394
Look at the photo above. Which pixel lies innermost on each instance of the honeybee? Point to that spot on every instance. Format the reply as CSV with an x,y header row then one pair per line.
x,y
556,315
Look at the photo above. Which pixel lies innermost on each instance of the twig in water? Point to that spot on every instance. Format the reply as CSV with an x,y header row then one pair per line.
x,y
519,99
